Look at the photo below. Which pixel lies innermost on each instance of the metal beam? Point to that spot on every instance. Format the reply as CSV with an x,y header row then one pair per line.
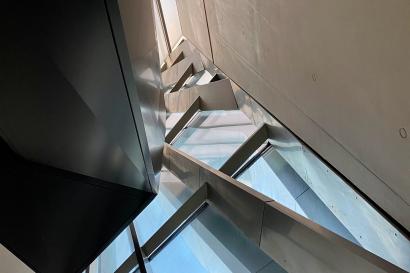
x,y
177,220
130,263
137,252
187,73
245,151
296,242
195,106
216,95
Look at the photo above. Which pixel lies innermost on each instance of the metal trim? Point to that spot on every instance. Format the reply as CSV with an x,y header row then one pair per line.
x,y
244,151
130,263
188,72
221,186
195,107
137,249
176,222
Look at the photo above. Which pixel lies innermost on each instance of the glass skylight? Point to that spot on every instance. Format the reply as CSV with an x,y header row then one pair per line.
x,y
115,254
213,136
172,194
212,244
296,179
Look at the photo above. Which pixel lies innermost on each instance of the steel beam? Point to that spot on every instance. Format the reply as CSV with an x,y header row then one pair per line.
x,y
183,120
298,243
245,151
177,220
187,73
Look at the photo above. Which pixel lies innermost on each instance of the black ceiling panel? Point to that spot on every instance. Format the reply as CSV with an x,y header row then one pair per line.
x,y
57,221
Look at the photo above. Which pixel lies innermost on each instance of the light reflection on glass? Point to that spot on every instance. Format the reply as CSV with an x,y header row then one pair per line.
x,y
325,199
171,121
210,243
172,194
116,253
213,136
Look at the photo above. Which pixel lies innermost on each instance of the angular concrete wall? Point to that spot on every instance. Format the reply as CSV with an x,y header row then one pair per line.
x,y
193,19
10,263
335,72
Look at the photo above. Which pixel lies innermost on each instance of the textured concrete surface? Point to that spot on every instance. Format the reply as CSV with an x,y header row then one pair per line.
x,y
335,72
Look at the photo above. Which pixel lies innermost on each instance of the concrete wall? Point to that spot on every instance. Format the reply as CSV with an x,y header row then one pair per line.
x,y
10,263
335,72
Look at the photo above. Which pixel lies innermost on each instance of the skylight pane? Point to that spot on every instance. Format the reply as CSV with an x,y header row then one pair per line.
x,y
212,244
296,179
172,194
213,136
116,253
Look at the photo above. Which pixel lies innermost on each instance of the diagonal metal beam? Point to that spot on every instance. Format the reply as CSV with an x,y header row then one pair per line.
x,y
187,73
287,237
137,252
177,220
130,263
195,106
136,258
245,151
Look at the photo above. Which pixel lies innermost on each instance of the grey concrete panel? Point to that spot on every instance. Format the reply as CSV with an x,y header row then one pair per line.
x,y
295,71
194,24
10,263
299,245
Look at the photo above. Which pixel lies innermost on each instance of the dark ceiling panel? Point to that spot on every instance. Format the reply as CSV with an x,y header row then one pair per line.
x,y
77,171
57,221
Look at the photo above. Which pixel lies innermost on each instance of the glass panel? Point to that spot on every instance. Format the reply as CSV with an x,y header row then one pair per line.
x,y
172,194
213,136
210,243
326,199
115,254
